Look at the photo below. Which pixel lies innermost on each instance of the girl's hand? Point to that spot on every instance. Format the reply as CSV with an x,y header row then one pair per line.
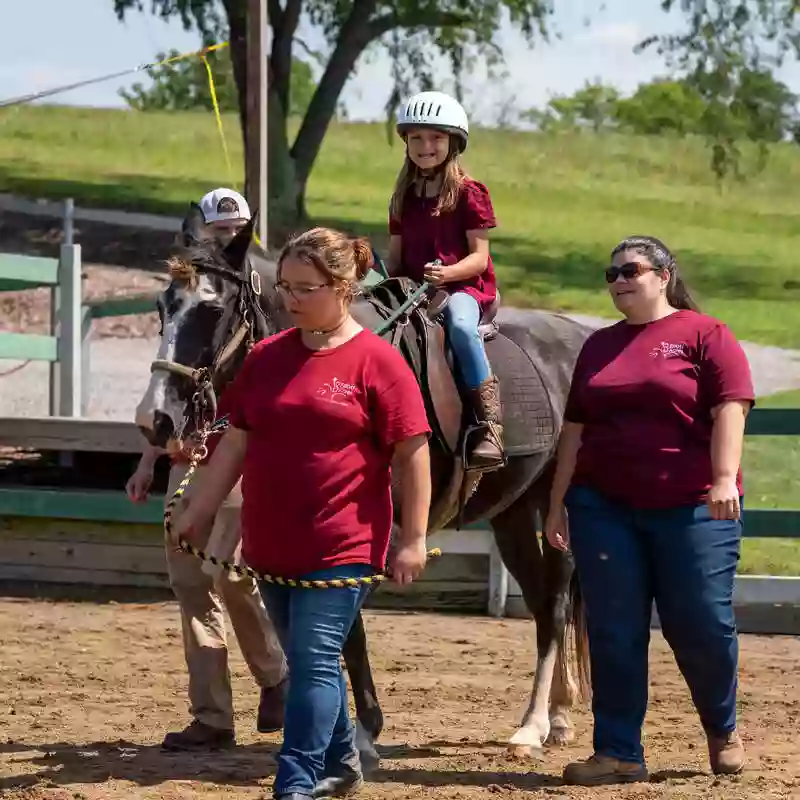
x,y
434,273
556,528
723,499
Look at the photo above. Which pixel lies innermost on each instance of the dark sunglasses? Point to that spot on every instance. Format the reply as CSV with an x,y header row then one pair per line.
x,y
633,269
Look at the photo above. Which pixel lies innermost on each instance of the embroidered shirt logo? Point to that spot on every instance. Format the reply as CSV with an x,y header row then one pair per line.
x,y
337,391
667,350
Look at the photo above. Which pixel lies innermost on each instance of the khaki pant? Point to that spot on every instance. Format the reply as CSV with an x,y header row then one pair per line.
x,y
201,590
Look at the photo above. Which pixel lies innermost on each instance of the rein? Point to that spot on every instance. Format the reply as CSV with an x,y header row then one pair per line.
x,y
204,398
199,452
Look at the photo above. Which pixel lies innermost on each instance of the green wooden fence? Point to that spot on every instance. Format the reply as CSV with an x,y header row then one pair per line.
x,y
114,506
63,346
67,345
69,349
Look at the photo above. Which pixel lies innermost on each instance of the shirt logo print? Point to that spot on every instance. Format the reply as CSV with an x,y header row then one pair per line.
x,y
337,391
667,350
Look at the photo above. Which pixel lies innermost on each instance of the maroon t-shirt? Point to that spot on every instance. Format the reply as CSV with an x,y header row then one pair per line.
x,y
644,395
321,431
426,237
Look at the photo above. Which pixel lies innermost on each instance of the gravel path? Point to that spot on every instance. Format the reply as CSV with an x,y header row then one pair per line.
x,y
120,371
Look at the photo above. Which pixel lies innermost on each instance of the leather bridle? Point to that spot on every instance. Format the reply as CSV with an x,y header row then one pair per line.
x,y
250,312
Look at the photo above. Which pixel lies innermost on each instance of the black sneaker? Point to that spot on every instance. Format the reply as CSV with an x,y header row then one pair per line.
x,y
199,736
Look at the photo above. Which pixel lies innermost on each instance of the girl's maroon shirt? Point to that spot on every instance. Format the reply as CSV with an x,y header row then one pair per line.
x,y
644,394
426,237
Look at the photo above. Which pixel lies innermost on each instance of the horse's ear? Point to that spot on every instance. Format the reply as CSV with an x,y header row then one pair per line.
x,y
235,251
193,226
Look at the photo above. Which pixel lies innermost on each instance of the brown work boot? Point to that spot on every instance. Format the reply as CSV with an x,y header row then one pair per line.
x,y
270,708
488,453
602,771
199,736
725,753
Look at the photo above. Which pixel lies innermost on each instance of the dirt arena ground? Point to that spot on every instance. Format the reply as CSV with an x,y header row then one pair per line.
x,y
87,690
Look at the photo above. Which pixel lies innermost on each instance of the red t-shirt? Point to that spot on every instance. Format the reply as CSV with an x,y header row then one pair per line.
x,y
426,237
322,426
644,395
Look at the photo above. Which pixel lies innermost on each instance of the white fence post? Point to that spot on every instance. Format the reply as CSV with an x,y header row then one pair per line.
x,y
69,342
68,237
86,332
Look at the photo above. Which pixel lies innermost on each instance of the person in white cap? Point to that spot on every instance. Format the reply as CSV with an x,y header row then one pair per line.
x,y
202,596
225,211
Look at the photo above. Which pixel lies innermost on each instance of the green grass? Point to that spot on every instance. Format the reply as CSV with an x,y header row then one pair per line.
x,y
562,200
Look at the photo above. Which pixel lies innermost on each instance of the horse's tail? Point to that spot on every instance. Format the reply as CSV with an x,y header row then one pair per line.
x,y
577,623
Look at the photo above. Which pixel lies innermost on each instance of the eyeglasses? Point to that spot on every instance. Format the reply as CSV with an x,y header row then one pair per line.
x,y
299,292
633,269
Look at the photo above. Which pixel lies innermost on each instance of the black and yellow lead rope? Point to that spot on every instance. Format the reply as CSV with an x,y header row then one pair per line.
x,y
333,583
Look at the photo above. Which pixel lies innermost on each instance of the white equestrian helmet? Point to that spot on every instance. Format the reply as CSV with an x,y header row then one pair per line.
x,y
224,204
435,110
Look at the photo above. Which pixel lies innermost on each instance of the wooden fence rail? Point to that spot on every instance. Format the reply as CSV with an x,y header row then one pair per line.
x,y
67,430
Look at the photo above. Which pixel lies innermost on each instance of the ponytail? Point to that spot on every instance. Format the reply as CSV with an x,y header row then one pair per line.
x,y
658,254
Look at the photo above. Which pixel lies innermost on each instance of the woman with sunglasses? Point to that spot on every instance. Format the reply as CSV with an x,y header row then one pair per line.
x,y
648,496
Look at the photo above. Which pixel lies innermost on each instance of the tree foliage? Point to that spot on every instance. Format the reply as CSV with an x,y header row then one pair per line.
x,y
762,109
724,42
722,39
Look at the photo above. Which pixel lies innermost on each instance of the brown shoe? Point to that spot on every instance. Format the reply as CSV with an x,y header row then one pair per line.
x,y
725,753
488,452
270,708
199,736
603,770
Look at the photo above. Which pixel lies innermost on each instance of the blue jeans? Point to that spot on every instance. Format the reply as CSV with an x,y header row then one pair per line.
x,y
312,625
685,561
461,318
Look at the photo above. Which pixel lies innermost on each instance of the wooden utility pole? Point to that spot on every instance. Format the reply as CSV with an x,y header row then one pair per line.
x,y
256,114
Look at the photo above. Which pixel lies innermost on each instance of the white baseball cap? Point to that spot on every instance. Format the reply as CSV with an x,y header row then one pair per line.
x,y
224,204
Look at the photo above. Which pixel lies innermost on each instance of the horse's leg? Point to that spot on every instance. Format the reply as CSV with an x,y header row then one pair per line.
x,y
369,717
544,580
558,570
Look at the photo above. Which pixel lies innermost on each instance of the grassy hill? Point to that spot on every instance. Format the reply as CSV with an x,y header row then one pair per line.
x,y
562,201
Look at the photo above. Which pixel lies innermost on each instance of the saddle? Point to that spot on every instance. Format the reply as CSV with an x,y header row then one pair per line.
x,y
420,336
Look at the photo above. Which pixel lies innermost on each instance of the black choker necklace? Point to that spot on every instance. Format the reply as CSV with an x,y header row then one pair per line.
x,y
330,330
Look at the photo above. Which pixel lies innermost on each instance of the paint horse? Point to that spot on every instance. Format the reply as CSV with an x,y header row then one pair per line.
x,y
220,301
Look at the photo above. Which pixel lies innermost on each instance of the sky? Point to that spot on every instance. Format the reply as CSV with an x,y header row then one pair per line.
x,y
42,55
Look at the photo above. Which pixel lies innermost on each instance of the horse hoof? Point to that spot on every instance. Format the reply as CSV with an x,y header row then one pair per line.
x,y
525,752
370,761
561,736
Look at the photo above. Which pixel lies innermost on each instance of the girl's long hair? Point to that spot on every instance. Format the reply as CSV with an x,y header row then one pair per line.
x,y
453,177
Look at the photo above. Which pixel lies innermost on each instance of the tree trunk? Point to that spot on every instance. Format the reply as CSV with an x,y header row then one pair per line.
x,y
237,26
286,208
354,36
288,168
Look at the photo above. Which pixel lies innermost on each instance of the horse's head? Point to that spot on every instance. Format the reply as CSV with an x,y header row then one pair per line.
x,y
220,300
